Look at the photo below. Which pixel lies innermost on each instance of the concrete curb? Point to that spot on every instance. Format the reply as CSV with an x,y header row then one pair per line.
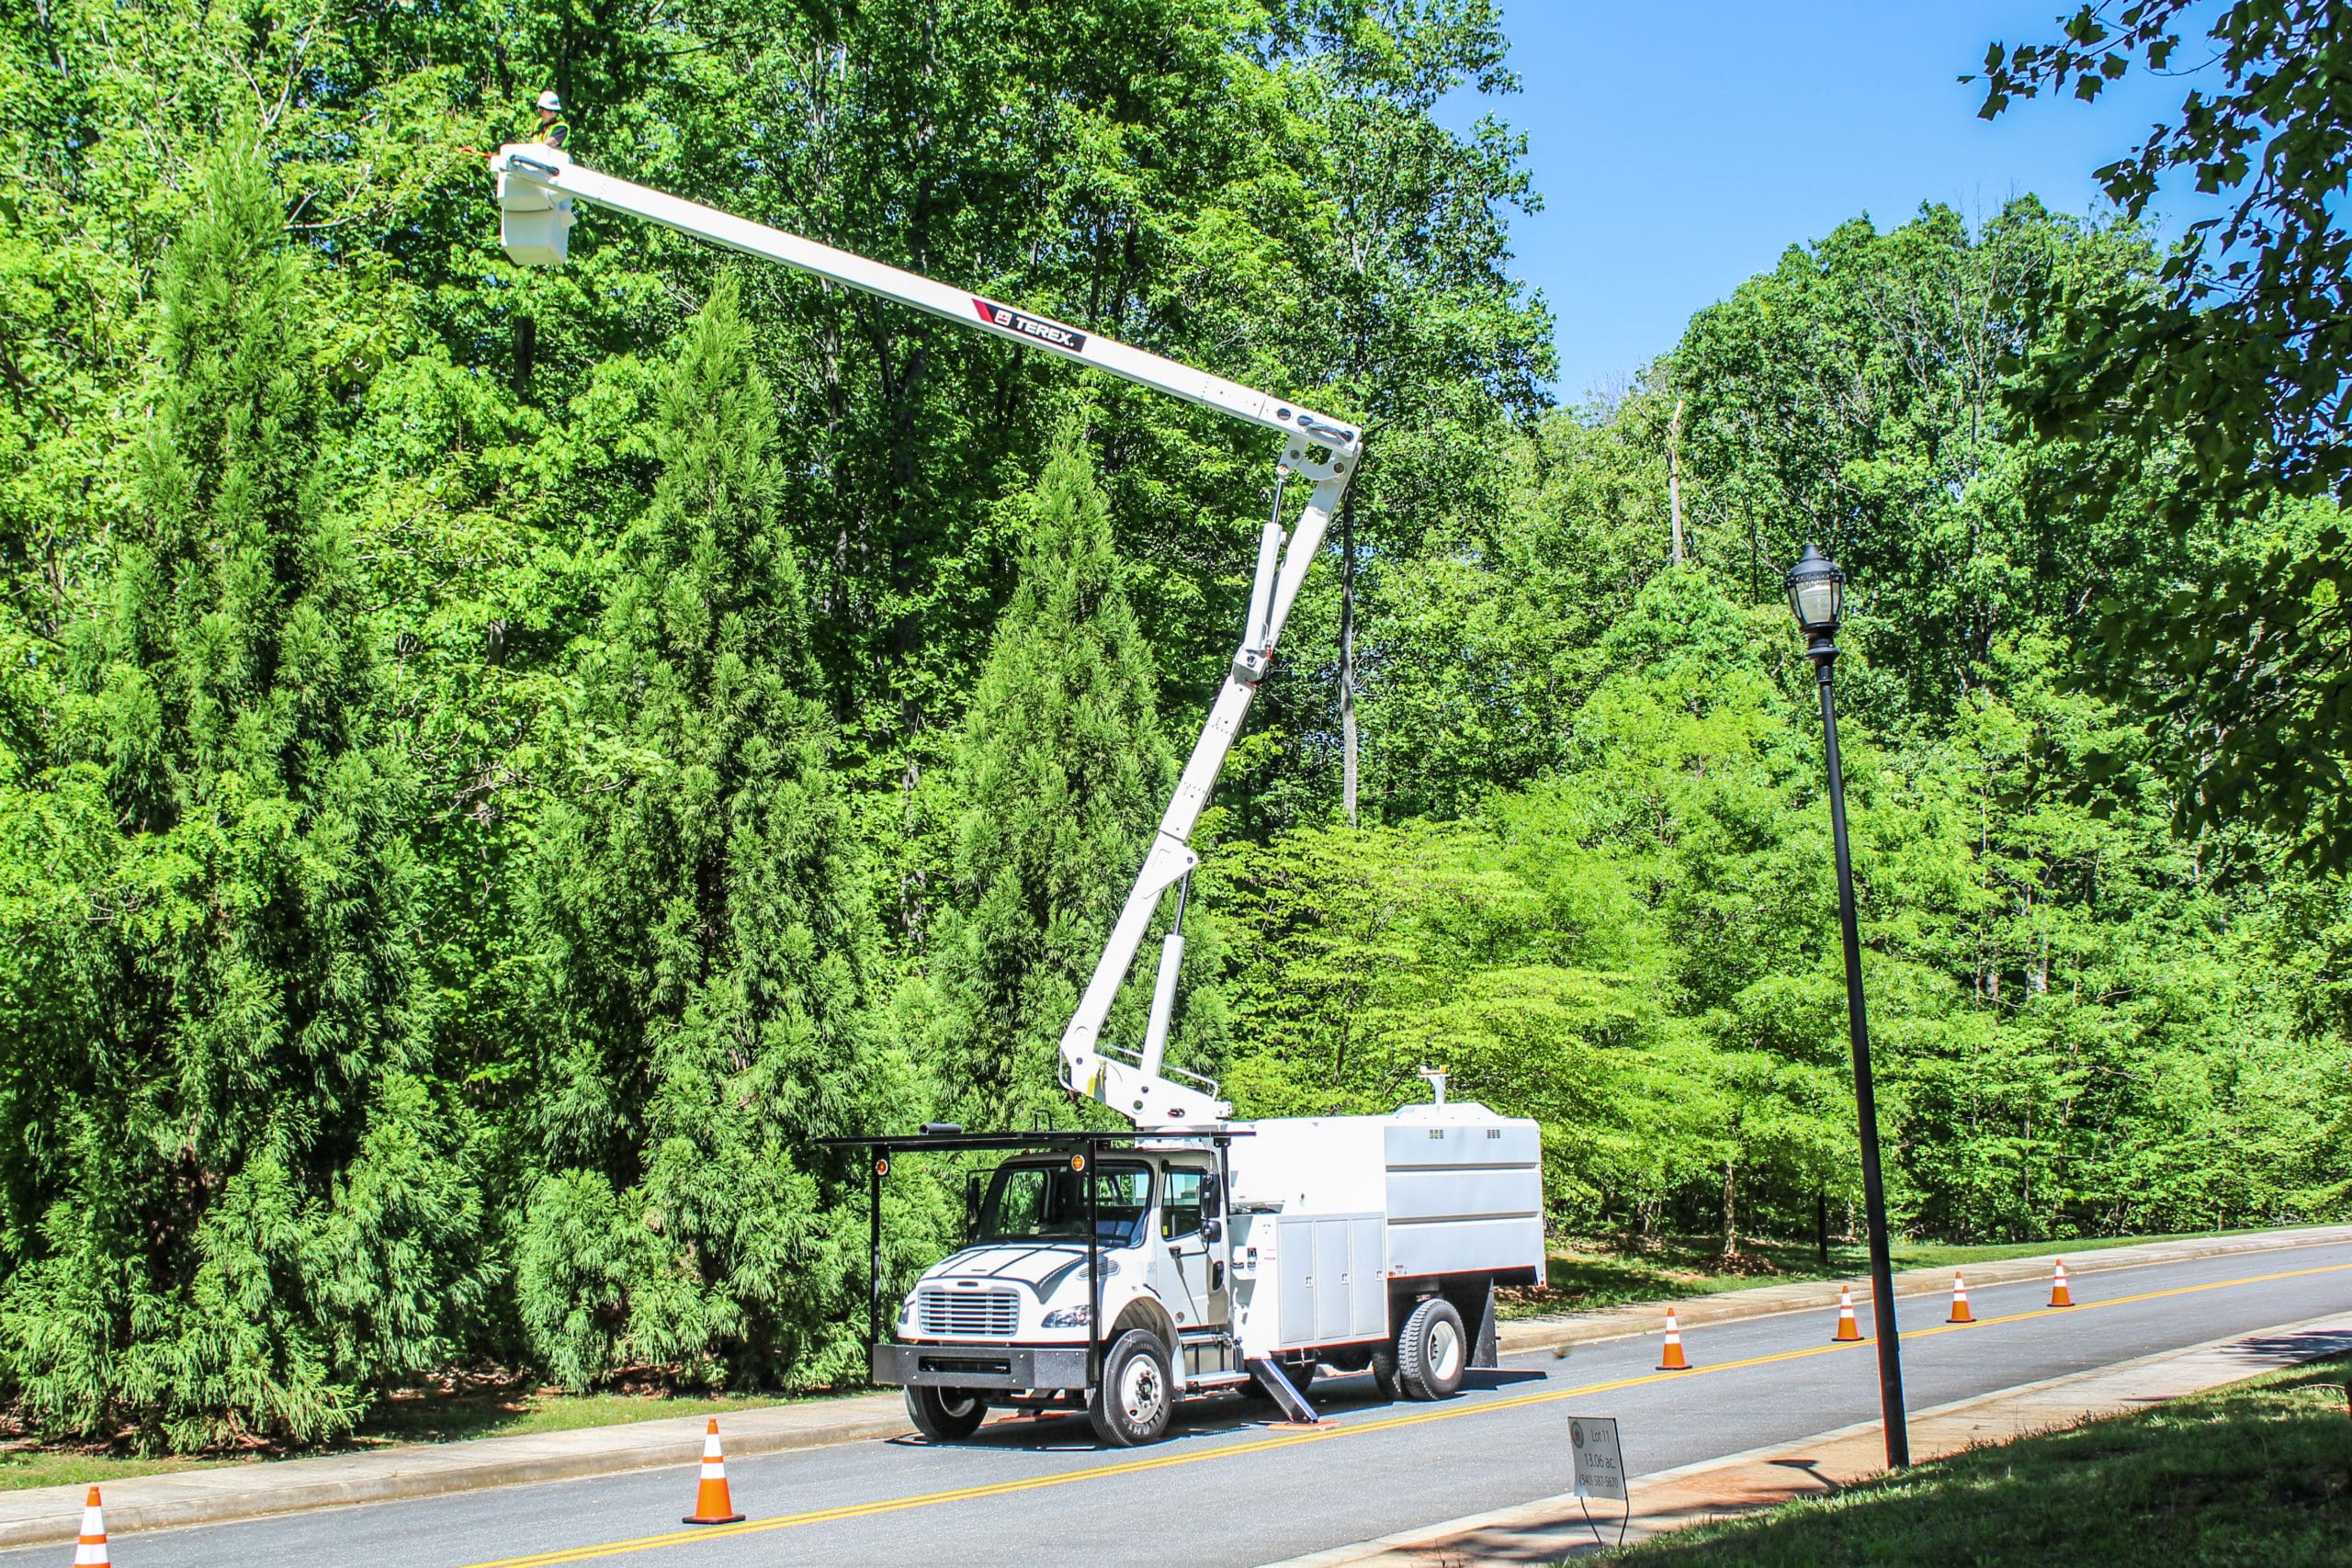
x,y
49,1515
1519,1336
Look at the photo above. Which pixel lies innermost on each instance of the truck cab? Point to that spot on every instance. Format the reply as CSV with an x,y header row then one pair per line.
x,y
1009,1319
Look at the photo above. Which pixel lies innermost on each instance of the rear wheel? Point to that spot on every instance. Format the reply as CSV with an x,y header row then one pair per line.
x,y
945,1415
1431,1352
1136,1397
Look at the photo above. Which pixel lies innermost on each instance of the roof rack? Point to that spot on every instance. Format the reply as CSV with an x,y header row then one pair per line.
x,y
950,1138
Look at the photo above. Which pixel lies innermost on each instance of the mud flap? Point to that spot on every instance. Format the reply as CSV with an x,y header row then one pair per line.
x,y
1483,1351
1278,1387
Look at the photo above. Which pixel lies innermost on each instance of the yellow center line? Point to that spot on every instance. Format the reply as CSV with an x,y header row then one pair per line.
x,y
1169,1460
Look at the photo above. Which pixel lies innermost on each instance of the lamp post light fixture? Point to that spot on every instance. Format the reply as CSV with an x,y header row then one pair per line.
x,y
1816,590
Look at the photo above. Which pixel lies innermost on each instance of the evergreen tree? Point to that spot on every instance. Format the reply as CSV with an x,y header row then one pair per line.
x,y
1060,773
709,944
235,1203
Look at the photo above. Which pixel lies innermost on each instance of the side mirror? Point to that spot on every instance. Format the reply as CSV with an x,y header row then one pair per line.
x,y
971,1206
1212,1200
1212,1231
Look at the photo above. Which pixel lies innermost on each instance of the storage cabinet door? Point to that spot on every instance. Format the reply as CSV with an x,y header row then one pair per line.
x,y
1333,1281
1295,1280
1367,1285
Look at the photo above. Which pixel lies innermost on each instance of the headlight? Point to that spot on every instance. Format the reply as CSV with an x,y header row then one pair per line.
x,y
1069,1317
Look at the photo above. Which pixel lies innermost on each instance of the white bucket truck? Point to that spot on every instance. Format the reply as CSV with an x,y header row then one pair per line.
x,y
1243,1258
1124,1272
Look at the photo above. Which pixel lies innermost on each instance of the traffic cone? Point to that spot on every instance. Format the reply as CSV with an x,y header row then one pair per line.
x,y
1960,1313
1848,1329
93,1546
712,1506
2060,1296
1671,1360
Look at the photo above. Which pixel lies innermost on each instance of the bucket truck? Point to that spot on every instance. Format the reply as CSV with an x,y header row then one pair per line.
x,y
1122,1274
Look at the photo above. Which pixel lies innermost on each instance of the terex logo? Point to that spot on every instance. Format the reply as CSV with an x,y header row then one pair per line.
x,y
1043,330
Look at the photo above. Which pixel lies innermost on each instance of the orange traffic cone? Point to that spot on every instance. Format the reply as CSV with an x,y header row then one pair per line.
x,y
1960,1313
2060,1296
92,1550
1848,1329
1671,1360
712,1506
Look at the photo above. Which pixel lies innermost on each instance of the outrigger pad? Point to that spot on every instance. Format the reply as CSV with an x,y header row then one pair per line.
x,y
1294,1403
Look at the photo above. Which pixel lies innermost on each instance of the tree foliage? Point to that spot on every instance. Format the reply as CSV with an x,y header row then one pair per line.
x,y
496,765
1061,770
2228,369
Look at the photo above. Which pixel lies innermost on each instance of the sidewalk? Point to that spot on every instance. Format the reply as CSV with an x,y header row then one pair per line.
x,y
41,1516
1545,1531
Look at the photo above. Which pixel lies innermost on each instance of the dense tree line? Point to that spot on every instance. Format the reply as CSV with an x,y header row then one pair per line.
x,y
494,764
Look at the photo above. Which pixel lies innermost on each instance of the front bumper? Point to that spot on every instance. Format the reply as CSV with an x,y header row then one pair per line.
x,y
980,1366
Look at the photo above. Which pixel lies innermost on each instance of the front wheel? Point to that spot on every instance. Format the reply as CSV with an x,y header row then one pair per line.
x,y
1136,1396
945,1415
1431,1352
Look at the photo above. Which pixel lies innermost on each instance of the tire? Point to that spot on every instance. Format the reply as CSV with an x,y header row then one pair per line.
x,y
945,1415
1433,1351
1383,1370
1136,1397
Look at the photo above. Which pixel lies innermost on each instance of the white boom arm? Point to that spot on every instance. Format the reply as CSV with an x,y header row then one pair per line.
x,y
537,188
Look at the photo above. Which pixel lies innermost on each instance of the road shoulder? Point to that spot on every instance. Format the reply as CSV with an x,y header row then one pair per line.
x,y
1813,1295
1553,1528
43,1516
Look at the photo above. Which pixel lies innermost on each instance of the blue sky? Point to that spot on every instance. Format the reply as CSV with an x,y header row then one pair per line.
x,y
1682,146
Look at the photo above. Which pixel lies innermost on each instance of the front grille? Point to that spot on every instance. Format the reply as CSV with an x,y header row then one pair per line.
x,y
968,1315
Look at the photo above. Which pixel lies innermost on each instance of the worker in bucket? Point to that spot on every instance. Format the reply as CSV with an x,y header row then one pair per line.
x,y
552,130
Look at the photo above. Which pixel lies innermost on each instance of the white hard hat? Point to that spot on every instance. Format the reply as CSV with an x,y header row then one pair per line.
x,y
550,103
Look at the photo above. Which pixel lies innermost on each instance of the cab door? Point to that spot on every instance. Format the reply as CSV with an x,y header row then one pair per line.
x,y
1201,1280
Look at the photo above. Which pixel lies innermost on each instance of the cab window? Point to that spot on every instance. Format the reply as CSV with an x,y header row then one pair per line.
x,y
1040,1203
1180,1205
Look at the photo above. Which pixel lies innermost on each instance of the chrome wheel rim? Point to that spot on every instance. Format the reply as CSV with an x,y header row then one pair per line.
x,y
1444,1356
1143,1394
958,1406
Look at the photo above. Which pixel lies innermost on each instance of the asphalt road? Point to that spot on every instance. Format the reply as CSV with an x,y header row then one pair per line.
x,y
1229,1489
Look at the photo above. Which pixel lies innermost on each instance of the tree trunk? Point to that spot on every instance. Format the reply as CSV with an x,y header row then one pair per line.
x,y
1347,652
1731,1232
526,353
1674,476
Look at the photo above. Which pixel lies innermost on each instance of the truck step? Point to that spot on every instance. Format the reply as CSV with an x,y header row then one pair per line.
x,y
1294,1403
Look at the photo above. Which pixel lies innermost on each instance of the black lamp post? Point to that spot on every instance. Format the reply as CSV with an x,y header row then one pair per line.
x,y
1817,589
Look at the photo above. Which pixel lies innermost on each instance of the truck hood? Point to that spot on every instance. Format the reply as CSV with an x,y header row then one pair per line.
x,y
1041,1268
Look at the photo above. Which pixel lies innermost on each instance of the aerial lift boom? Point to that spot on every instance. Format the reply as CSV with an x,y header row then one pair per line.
x,y
537,187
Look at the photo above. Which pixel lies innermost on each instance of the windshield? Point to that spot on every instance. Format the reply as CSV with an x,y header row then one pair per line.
x,y
1046,1202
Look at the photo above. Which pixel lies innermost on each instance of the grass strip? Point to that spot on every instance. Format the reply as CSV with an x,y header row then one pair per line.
x,y
2257,1472
1591,1276
399,1419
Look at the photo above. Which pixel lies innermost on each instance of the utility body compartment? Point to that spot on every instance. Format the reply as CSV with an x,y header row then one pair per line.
x,y
1341,1220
